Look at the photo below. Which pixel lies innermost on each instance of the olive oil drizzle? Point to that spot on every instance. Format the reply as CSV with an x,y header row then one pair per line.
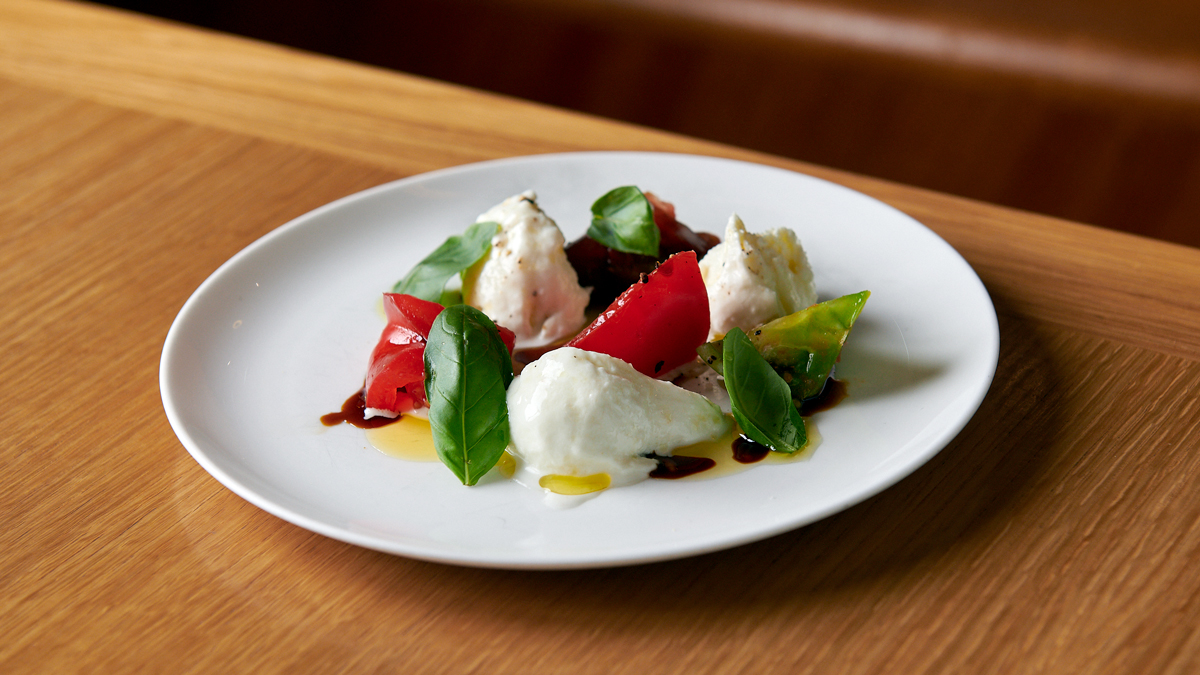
x,y
670,467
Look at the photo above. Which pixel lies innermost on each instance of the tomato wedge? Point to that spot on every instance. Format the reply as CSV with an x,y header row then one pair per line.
x,y
395,380
657,323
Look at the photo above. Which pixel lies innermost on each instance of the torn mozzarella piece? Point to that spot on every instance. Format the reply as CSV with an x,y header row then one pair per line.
x,y
754,278
525,282
579,413
697,376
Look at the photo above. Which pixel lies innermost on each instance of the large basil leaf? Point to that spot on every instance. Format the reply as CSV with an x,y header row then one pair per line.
x,y
624,220
456,254
467,369
761,401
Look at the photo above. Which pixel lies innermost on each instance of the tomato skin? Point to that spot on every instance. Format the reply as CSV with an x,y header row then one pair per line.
x,y
656,324
396,374
409,318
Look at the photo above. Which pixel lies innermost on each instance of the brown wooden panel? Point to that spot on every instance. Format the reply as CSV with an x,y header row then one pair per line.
x,y
1087,110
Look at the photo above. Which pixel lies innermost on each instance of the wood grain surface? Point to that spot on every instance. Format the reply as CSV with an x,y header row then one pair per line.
x,y
1060,532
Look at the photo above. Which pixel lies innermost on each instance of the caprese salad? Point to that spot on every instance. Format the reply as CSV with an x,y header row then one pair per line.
x,y
691,337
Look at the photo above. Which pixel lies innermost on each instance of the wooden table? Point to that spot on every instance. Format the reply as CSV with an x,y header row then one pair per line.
x,y
1060,532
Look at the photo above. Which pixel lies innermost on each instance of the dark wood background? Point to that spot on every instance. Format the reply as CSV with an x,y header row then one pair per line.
x,y
1083,109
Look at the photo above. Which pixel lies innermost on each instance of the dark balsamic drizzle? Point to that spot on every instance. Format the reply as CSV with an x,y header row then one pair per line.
x,y
353,413
831,394
746,451
679,466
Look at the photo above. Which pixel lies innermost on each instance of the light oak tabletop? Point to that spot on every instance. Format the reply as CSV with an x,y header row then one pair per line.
x,y
1060,532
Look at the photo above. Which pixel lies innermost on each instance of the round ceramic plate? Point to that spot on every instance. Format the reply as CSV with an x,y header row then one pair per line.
x,y
281,334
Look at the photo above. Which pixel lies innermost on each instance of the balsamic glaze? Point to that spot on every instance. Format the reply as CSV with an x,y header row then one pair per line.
x,y
679,466
746,451
831,394
352,413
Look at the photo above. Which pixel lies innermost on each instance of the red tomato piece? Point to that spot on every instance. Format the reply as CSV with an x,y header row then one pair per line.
x,y
396,374
656,324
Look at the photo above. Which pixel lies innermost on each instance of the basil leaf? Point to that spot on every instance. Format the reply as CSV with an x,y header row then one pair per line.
x,y
451,297
456,254
467,369
761,400
624,220
802,347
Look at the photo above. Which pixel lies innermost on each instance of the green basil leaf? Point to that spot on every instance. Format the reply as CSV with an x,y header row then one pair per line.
x,y
802,347
761,400
624,220
467,370
451,297
456,254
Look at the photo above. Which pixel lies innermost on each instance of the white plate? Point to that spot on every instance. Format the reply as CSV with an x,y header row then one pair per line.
x,y
281,333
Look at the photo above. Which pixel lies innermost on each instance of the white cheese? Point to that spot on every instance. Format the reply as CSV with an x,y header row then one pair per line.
x,y
578,413
755,278
525,282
